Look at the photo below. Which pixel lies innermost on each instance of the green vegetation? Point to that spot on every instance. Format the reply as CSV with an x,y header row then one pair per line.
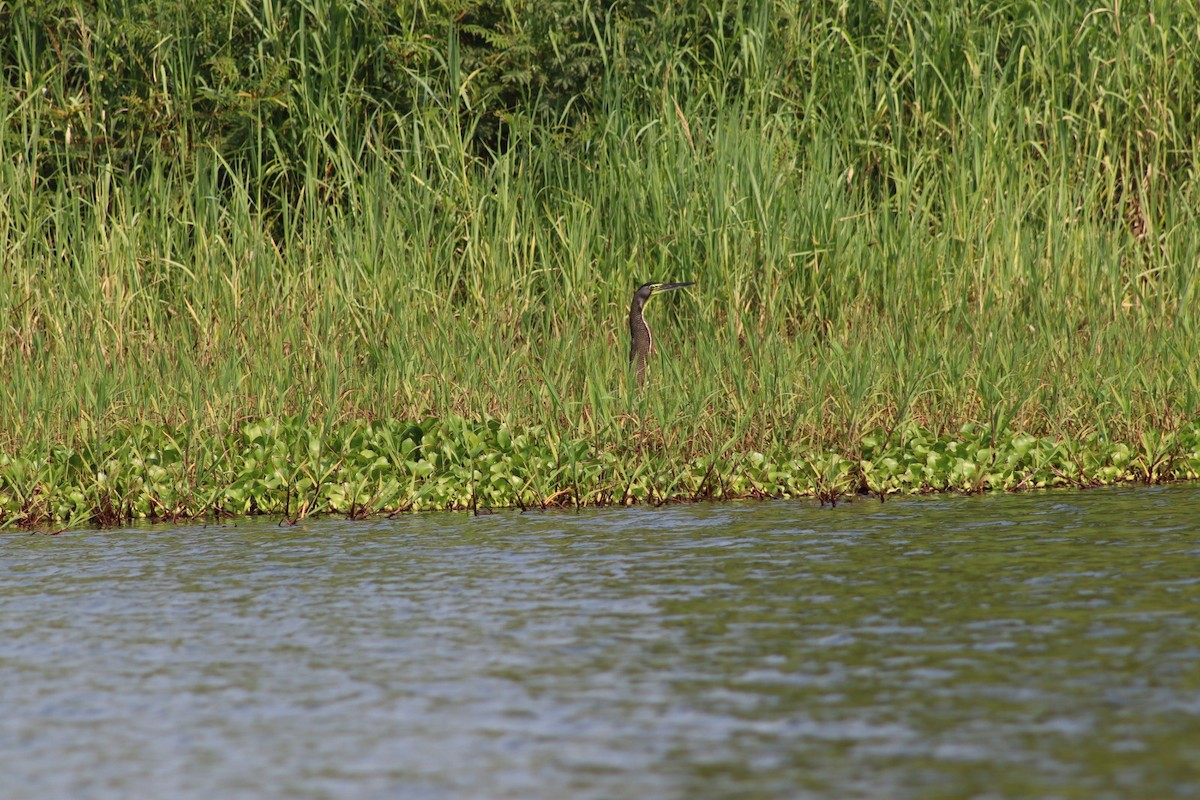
x,y
293,469
915,227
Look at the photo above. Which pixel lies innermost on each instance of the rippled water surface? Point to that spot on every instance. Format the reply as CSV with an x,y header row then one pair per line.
x,y
1038,645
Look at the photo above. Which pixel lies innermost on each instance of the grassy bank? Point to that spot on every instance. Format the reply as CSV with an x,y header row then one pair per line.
x,y
899,219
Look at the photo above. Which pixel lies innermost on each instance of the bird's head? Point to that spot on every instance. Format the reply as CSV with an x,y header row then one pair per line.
x,y
648,290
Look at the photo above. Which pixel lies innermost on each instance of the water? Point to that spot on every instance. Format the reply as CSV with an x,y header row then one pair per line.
x,y
1038,645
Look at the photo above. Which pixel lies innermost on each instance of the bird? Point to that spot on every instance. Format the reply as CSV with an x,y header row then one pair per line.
x,y
641,343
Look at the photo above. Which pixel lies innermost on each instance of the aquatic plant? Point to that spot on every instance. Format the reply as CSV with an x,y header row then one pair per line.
x,y
909,222
292,469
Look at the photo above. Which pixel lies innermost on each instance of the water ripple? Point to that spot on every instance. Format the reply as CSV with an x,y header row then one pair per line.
x,y
999,646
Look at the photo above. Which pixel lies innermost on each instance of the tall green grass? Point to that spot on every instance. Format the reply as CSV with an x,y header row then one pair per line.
x,y
896,213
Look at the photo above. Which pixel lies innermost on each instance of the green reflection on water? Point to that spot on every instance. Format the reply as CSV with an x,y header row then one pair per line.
x,y
1011,646
1008,646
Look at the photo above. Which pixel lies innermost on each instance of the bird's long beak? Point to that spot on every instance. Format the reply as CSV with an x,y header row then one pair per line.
x,y
666,287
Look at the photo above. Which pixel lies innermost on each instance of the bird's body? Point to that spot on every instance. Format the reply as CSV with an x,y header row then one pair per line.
x,y
641,341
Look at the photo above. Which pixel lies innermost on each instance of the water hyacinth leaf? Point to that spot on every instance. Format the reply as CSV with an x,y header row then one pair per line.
x,y
123,479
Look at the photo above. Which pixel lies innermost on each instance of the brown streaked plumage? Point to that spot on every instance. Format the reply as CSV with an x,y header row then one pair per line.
x,y
641,342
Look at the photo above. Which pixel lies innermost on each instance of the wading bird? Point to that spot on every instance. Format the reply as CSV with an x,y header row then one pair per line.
x,y
641,343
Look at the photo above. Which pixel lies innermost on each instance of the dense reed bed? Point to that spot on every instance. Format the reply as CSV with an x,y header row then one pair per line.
x,y
902,218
